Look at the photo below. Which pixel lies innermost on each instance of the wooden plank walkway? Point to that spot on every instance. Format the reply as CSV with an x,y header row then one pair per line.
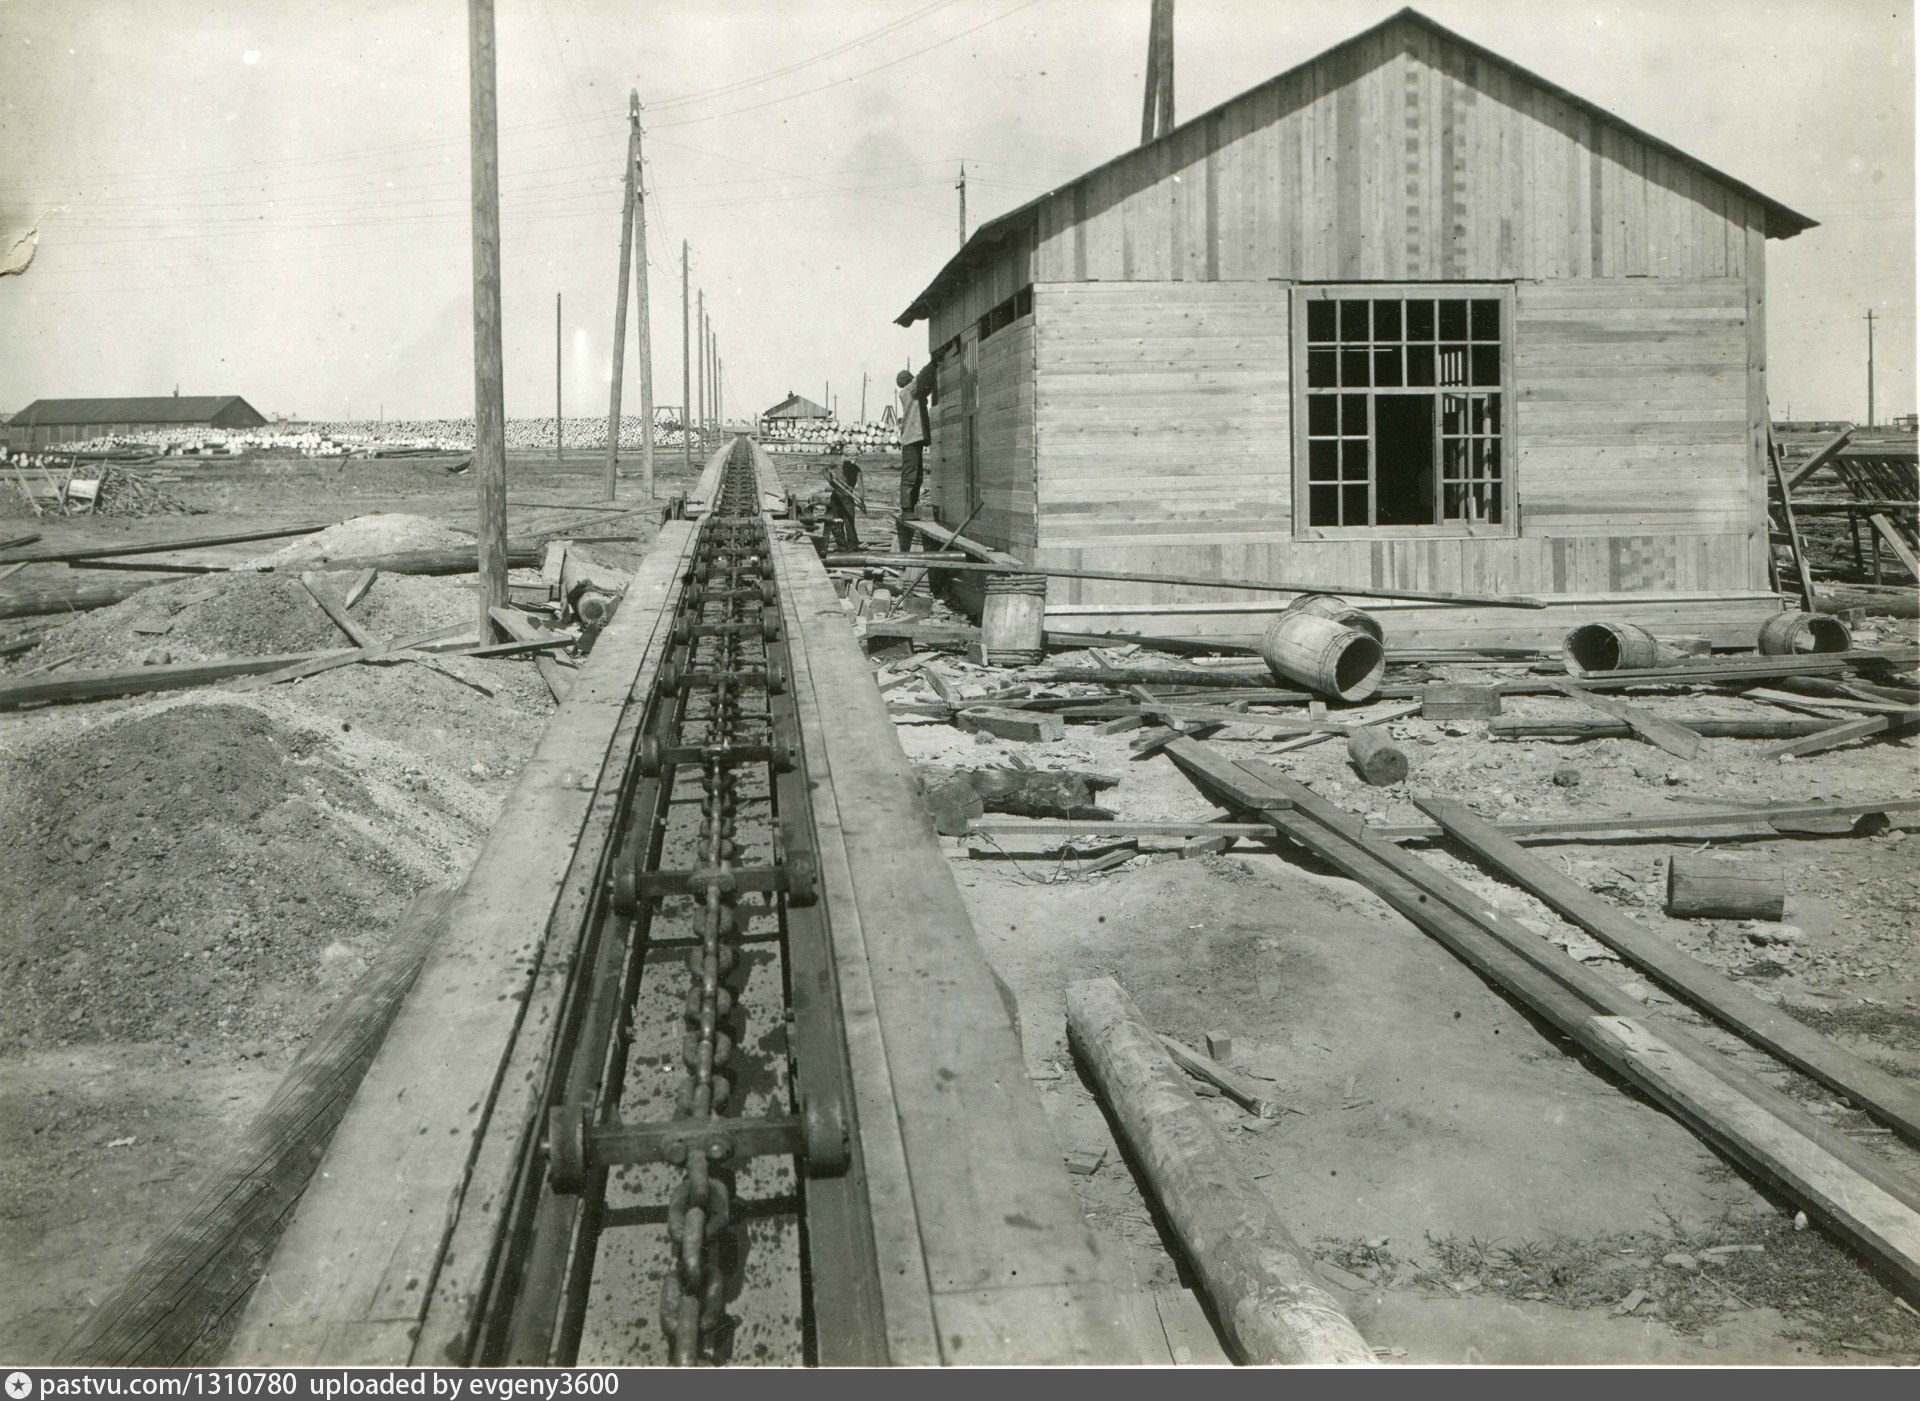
x,y
352,1276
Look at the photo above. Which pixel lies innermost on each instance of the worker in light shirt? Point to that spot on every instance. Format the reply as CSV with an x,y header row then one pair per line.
x,y
913,392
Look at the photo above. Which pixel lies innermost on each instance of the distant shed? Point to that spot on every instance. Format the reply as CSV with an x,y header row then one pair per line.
x,y
1406,316
795,408
47,422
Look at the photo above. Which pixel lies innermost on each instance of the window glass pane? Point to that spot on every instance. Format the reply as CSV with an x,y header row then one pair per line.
x,y
1453,414
1354,365
1386,368
1492,402
1453,459
1323,505
1453,365
1323,460
1353,505
1453,321
1488,459
1353,460
1386,321
1489,503
1419,365
1419,321
1481,419
1353,413
1486,365
1486,320
1320,321
1453,501
1353,321
1323,415
1323,369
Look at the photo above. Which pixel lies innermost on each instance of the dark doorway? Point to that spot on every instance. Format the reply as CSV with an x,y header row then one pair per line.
x,y
1403,459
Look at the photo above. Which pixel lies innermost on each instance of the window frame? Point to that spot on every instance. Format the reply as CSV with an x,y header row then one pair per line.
x,y
1306,293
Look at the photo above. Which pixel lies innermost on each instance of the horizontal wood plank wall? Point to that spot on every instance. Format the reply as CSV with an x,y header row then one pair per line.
x,y
1162,414
1005,272
1404,157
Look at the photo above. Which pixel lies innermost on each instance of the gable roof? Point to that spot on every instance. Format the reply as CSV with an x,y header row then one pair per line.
x,y
796,406
165,408
1781,222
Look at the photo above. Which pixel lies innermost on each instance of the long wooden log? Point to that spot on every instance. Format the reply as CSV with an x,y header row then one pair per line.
x,y
144,680
1848,1188
1131,576
194,1276
1528,727
1893,1101
159,547
44,600
1271,1303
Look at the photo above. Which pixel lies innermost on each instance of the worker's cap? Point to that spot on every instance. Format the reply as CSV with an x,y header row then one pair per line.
x,y
904,378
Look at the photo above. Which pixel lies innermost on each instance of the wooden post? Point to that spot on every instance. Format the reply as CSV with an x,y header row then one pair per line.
x,y
961,186
686,369
643,312
863,396
559,436
612,483
700,324
1703,885
1379,761
489,403
1270,1303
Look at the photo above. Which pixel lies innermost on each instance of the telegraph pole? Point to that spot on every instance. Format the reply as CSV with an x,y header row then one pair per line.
x,y
643,329
489,403
863,396
686,368
700,323
612,483
1869,367
961,186
559,442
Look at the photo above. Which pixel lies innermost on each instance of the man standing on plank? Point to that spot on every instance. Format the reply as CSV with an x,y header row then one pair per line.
x,y
914,391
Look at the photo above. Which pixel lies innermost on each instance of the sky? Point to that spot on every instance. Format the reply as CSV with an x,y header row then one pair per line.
x,y
270,198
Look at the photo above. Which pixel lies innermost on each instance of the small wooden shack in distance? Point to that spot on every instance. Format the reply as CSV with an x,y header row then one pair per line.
x,y
49,422
1405,316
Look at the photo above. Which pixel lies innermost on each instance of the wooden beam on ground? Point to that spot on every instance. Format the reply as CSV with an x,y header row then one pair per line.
x,y
64,555
1271,1303
945,539
357,590
1569,995
337,613
1706,726
145,680
1846,732
1008,565
189,1281
1894,1102
1250,1094
1677,740
42,601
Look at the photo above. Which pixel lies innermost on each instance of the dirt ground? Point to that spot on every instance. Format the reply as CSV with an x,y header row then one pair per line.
x,y
1478,1190
191,880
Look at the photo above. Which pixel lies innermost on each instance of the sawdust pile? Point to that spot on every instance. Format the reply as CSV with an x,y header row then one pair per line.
x,y
209,867
376,534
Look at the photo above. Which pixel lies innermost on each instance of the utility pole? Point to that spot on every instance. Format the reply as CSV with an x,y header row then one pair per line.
x,y
1156,117
1869,367
686,368
489,403
863,396
612,483
643,311
559,442
700,323
961,186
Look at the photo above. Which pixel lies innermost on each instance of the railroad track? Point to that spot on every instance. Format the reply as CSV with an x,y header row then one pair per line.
x,y
697,1119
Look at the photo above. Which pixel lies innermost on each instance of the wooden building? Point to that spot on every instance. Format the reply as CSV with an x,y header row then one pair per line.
x,y
49,422
1406,316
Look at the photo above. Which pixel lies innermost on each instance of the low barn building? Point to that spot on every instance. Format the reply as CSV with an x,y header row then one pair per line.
x,y
49,422
1406,316
795,408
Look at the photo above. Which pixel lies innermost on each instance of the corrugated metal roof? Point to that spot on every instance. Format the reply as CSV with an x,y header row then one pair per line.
x,y
168,408
1782,222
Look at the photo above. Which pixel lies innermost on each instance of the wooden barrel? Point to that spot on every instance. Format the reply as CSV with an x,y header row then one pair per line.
x,y
1325,605
1324,656
1784,634
1013,619
1608,647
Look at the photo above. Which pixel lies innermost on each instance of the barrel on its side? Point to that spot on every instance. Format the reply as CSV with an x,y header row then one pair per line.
x,y
1324,656
1784,634
1013,619
1325,605
1608,647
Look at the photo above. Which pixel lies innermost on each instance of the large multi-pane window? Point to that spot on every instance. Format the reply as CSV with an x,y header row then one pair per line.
x,y
1403,394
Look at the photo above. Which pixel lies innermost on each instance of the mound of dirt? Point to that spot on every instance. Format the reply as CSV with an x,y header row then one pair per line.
x,y
208,867
236,615
377,534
